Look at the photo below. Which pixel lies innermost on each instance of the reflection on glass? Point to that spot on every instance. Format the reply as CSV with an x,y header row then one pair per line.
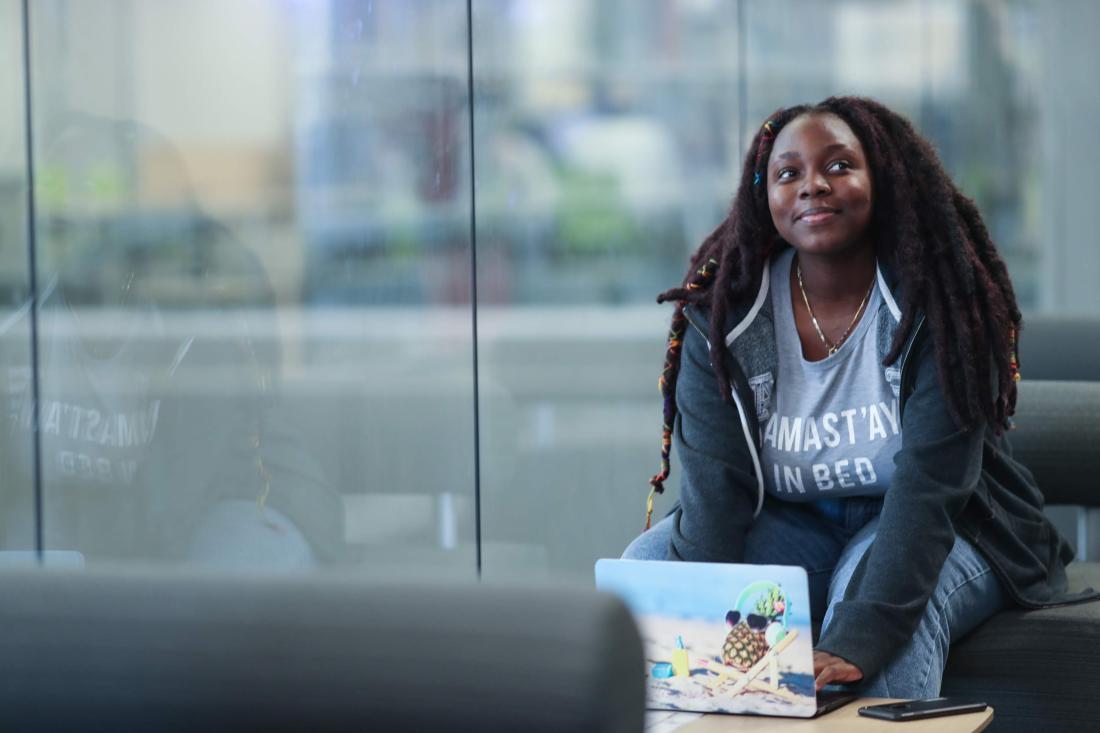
x,y
245,356
159,435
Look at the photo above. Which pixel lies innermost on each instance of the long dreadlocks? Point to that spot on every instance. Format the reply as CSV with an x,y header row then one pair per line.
x,y
944,258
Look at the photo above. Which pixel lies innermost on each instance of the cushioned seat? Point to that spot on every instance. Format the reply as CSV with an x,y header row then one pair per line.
x,y
1040,670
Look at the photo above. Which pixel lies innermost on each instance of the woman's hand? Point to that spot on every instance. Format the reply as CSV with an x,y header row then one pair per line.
x,y
829,669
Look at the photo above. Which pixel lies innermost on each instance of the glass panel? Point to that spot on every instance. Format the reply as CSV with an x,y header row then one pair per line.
x,y
606,143
254,255
1068,112
17,526
983,110
253,223
966,73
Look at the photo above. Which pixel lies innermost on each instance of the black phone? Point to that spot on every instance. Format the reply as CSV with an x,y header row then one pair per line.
x,y
917,709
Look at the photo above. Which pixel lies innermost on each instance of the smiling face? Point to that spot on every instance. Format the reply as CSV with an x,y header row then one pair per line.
x,y
819,186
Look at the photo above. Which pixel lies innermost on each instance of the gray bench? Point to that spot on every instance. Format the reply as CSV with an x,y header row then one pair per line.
x,y
1040,670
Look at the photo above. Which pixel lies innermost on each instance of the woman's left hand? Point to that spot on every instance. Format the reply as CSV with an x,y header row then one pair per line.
x,y
829,669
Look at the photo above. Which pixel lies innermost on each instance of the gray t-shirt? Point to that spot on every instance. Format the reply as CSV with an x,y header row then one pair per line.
x,y
836,426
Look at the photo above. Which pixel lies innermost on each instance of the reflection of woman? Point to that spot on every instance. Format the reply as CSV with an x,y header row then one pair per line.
x,y
154,442
855,304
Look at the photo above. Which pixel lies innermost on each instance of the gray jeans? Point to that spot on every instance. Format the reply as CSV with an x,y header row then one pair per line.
x,y
828,538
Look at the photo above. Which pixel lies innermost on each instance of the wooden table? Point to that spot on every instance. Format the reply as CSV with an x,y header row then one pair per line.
x,y
840,721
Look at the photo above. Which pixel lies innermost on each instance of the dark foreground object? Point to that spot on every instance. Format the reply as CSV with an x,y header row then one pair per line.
x,y
150,650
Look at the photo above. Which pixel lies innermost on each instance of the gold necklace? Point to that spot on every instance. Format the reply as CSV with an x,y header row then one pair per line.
x,y
831,346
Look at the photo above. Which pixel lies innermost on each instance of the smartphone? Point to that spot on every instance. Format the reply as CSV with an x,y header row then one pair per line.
x,y
917,709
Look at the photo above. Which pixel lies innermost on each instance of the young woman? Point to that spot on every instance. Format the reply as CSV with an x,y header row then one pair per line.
x,y
840,372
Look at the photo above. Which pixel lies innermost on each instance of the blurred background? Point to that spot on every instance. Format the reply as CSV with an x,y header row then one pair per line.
x,y
256,258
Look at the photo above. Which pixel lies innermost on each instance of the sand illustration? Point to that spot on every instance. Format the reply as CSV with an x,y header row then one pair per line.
x,y
780,684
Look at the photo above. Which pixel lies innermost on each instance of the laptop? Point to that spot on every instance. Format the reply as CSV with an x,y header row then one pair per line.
x,y
723,638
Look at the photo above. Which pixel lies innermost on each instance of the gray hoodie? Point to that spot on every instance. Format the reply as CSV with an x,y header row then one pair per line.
x,y
947,482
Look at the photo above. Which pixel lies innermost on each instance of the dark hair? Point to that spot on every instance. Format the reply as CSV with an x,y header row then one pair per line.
x,y
921,224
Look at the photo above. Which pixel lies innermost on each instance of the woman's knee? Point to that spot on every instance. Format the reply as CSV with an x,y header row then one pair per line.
x,y
916,670
967,594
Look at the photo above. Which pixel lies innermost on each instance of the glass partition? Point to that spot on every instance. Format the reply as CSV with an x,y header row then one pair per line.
x,y
253,227
609,139
966,73
18,540
606,137
253,233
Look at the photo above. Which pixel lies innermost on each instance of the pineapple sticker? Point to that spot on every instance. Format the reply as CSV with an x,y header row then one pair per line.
x,y
757,628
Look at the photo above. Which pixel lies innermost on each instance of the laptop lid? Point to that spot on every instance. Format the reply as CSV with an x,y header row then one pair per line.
x,y
720,638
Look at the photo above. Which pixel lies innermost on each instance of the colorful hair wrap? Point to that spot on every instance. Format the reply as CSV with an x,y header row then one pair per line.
x,y
1013,362
767,134
667,385
1014,370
